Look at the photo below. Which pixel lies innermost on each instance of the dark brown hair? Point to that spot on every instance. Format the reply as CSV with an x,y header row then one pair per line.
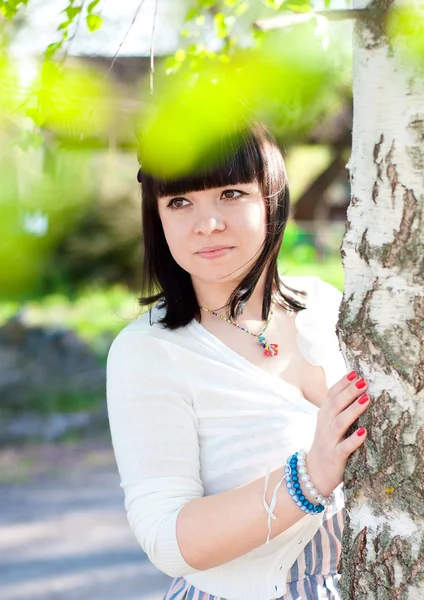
x,y
249,154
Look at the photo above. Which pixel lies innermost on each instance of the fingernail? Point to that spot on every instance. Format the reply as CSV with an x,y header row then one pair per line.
x,y
363,399
352,375
361,431
361,383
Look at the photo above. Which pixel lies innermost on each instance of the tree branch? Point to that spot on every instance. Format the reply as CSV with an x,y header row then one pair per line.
x,y
331,15
125,37
152,48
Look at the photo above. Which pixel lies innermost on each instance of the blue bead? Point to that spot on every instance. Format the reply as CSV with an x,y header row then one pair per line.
x,y
302,498
296,485
295,478
299,492
291,492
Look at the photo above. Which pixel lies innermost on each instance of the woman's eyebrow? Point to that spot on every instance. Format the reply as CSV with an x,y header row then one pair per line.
x,y
218,188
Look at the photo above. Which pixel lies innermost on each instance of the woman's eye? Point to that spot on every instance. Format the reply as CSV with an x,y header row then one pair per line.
x,y
233,194
176,203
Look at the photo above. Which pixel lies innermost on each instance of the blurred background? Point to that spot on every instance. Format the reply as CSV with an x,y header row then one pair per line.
x,y
84,87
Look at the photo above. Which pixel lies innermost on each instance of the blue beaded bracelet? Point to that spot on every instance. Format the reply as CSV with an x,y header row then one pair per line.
x,y
295,490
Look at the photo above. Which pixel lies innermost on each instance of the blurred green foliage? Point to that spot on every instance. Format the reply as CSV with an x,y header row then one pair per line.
x,y
182,126
405,29
51,127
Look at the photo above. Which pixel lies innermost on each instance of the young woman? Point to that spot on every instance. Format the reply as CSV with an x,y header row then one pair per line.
x,y
229,402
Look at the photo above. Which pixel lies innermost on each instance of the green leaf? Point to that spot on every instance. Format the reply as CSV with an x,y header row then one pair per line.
x,y
9,8
51,49
64,25
94,22
327,3
192,14
72,12
92,6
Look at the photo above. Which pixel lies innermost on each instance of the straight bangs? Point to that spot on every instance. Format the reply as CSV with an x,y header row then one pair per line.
x,y
238,159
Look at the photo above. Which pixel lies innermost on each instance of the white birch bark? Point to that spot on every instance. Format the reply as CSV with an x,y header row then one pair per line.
x,y
381,326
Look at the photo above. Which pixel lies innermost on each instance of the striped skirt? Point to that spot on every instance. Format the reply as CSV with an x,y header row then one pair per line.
x,y
312,577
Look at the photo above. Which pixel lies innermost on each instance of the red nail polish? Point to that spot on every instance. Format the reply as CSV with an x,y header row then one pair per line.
x,y
361,384
352,375
363,399
361,431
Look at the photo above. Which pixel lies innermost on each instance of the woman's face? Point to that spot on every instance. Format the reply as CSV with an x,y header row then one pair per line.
x,y
215,235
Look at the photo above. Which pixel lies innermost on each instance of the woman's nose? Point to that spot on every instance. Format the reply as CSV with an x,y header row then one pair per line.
x,y
208,223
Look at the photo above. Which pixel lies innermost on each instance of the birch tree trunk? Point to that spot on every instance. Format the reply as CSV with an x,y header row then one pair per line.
x,y
381,326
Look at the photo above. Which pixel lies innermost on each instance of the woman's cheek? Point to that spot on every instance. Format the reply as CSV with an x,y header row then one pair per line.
x,y
252,220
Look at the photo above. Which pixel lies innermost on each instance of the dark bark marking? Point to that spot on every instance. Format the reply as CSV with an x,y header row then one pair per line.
x,y
404,247
364,248
419,467
376,152
377,148
416,327
391,172
374,194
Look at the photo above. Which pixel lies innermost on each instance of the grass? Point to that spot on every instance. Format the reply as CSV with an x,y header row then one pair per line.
x,y
331,270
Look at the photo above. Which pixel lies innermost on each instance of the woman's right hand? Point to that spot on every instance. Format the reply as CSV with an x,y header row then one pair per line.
x,y
326,460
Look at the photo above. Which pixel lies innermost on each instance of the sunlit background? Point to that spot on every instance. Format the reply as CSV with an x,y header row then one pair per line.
x,y
85,87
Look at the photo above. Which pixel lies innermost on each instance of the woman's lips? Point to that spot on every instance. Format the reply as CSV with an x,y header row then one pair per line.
x,y
215,253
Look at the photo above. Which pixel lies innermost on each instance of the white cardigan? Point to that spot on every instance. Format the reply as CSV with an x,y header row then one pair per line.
x,y
190,417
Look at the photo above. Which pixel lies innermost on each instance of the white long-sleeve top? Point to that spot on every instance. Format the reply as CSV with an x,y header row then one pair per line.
x,y
189,417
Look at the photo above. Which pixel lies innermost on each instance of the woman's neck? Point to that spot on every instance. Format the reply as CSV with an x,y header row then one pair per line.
x,y
215,296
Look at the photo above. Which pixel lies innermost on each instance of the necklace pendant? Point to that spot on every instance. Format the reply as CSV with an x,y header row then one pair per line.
x,y
269,349
272,350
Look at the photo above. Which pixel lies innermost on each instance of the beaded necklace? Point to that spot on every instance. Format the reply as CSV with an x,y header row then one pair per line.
x,y
269,349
